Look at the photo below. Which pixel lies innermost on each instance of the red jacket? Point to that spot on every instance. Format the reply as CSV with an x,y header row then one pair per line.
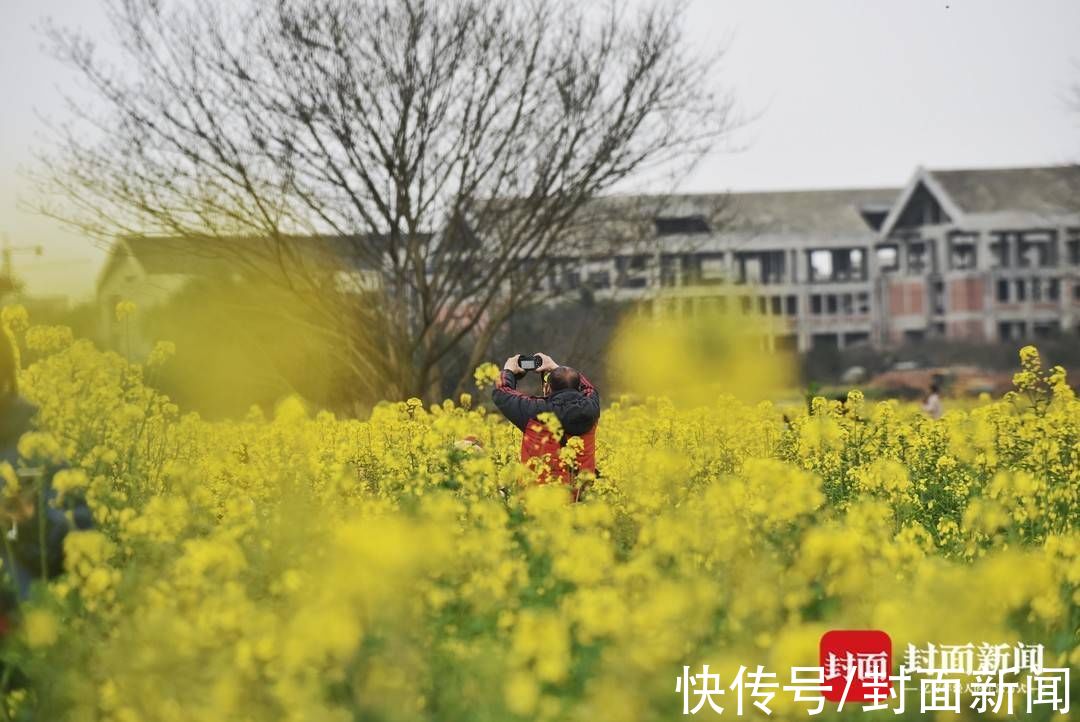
x,y
578,410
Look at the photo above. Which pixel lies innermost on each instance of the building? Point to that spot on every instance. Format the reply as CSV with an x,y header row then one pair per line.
x,y
981,255
974,255
149,271
799,258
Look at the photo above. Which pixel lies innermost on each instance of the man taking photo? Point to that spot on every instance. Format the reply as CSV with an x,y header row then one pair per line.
x,y
569,396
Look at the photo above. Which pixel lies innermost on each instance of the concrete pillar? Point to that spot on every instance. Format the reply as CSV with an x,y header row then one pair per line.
x,y
982,251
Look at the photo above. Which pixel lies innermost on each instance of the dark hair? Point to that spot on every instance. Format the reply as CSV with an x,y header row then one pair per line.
x,y
9,385
564,377
934,388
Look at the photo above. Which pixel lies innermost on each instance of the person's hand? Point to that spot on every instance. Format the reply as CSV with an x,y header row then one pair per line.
x,y
513,366
547,363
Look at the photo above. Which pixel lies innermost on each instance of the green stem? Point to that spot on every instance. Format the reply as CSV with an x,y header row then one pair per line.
x,y
41,528
4,692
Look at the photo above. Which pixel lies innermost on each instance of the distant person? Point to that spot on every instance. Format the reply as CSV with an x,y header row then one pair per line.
x,y
34,526
574,402
932,403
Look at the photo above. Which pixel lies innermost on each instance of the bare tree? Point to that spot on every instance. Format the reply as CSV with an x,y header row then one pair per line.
x,y
450,146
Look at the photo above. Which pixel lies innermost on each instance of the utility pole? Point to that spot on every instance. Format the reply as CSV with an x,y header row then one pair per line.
x,y
7,271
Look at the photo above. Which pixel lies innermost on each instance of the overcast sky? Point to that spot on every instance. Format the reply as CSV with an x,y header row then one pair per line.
x,y
839,93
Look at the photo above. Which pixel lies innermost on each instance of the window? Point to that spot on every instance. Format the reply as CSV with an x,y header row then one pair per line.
x,y
630,271
680,225
917,258
815,304
787,342
887,258
793,305
1053,289
1037,249
712,267
1003,291
750,270
821,266
1011,330
691,269
962,253
599,279
847,304
831,304
669,271
862,303
1021,290
999,250
761,267
1072,247
1036,289
825,340
777,303
1045,329
848,264
856,263
845,264
773,266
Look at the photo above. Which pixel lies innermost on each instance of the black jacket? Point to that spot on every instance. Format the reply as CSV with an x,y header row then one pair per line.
x,y
577,411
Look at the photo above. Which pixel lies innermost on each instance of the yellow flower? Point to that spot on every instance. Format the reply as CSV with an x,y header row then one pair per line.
x,y
486,375
522,693
124,310
40,628
303,565
161,353
15,318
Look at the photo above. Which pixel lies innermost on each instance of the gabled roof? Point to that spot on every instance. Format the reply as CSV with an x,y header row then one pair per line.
x,y
1003,192
831,212
176,255
225,257
1054,189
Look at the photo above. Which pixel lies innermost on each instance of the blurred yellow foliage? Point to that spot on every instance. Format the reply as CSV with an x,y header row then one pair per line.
x,y
693,360
308,567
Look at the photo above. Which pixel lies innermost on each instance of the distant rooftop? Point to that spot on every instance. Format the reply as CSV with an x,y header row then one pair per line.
x,y
811,212
815,211
1047,189
217,257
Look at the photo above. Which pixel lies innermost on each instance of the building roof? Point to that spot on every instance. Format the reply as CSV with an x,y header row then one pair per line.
x,y
742,217
225,257
174,255
824,212
1049,189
